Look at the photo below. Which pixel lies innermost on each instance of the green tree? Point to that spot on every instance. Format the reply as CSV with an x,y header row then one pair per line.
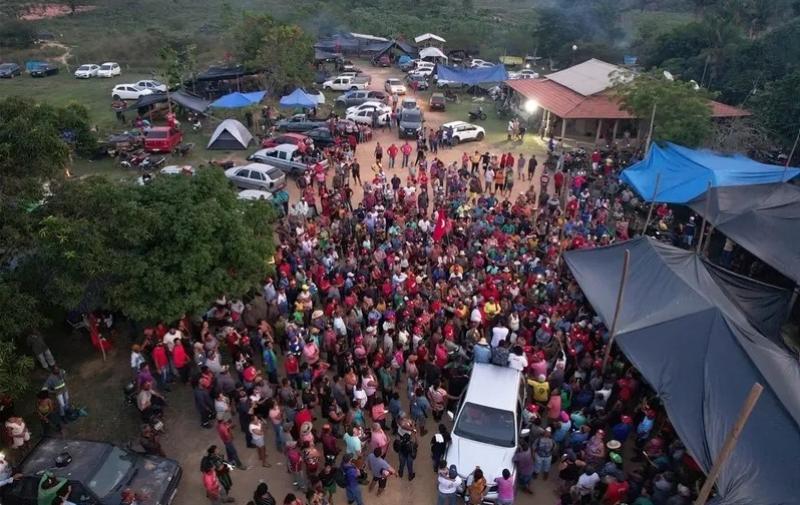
x,y
151,252
683,114
287,55
14,370
778,108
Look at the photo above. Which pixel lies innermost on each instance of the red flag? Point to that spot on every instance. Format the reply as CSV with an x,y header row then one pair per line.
x,y
441,225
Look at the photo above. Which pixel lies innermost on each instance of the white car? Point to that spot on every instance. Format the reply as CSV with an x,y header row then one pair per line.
x,y
394,86
257,176
371,105
523,74
129,92
177,170
109,69
461,131
155,86
87,71
477,62
365,117
423,71
254,194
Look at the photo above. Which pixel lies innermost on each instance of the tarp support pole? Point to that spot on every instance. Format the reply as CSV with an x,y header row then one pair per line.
x,y
730,443
703,226
793,299
650,132
652,203
617,308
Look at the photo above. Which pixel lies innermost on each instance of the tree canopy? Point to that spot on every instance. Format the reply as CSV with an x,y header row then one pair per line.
x,y
151,252
683,113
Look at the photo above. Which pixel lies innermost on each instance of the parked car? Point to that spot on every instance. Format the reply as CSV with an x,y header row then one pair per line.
x,y
358,76
408,103
322,137
408,65
43,70
487,425
437,102
288,138
444,84
382,61
86,71
461,131
422,71
177,170
254,194
410,123
366,117
380,106
299,123
153,85
286,157
162,139
523,74
128,92
418,81
394,86
343,84
477,62
10,70
348,66
109,69
96,472
257,176
358,97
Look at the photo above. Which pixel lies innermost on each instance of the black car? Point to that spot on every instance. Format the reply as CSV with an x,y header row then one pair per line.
x,y
437,102
321,136
10,70
299,124
421,82
97,472
43,70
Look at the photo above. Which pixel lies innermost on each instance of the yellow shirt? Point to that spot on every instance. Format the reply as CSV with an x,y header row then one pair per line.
x,y
541,390
491,309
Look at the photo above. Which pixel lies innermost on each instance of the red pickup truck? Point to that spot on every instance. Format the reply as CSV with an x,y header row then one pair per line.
x,y
162,139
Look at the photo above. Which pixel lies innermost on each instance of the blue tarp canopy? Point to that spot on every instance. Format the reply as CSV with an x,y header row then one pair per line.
x,y
298,98
472,76
685,173
701,339
403,59
238,100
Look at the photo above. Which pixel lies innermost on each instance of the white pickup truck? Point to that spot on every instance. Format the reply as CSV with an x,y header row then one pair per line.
x,y
346,83
286,157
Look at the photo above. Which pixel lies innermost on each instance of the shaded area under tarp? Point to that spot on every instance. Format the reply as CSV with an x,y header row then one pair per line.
x,y
762,218
147,100
694,335
238,100
496,73
223,73
180,97
298,98
685,173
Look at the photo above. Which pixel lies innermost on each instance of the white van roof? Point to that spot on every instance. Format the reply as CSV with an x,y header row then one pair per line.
x,y
493,386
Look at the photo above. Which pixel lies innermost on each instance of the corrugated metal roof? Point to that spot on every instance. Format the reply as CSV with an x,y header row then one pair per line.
x,y
587,78
428,36
566,103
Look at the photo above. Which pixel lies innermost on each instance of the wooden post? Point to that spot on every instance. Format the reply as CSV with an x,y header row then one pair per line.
x,y
703,227
650,132
652,203
614,132
617,308
730,443
791,154
563,129
599,128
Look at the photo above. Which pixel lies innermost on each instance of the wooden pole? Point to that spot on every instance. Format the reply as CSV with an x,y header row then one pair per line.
x,y
791,154
703,227
652,203
730,443
650,132
617,309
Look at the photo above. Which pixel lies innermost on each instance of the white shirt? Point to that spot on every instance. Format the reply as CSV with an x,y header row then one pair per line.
x,y
169,339
517,362
475,316
448,486
499,334
586,483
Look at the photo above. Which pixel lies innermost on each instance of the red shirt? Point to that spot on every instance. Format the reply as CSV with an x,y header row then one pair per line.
x,y
160,357
615,493
392,151
224,432
211,483
179,356
291,365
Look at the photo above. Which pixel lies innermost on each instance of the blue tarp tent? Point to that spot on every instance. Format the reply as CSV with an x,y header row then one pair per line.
x,y
403,59
298,98
238,100
472,76
685,173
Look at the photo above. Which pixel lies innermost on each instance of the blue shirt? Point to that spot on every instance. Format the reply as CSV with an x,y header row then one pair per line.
x,y
482,354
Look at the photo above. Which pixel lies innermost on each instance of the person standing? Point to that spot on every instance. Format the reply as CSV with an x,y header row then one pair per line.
x,y
378,154
262,496
523,459
543,454
356,171
405,149
41,351
256,429
532,164
56,383
406,448
392,152
505,488
351,475
478,489
380,469
522,164
225,432
439,443
448,484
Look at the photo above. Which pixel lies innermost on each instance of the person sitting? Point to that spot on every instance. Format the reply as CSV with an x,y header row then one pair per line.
x,y
148,401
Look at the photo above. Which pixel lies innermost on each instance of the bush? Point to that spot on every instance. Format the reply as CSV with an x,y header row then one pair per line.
x,y
16,34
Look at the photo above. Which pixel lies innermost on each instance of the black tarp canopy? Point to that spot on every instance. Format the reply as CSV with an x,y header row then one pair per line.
x,y
762,218
179,97
701,341
223,73
147,100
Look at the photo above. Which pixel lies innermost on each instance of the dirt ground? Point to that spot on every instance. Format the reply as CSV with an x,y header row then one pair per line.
x,y
97,385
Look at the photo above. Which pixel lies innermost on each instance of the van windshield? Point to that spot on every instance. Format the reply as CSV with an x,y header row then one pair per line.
x,y
411,116
487,425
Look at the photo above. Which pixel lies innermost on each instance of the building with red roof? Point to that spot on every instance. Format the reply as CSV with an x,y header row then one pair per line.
x,y
578,101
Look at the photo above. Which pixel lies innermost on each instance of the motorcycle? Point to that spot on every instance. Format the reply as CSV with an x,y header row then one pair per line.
x,y
154,419
476,114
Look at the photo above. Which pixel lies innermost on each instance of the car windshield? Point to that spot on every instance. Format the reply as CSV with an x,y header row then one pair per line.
x,y
157,134
274,173
85,67
393,81
105,67
411,116
111,472
487,425
6,65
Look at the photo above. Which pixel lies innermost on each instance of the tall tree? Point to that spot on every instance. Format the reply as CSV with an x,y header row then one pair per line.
x,y
152,252
778,108
683,113
287,54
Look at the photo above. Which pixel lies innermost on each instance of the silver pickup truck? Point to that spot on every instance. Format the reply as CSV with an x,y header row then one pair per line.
x,y
286,157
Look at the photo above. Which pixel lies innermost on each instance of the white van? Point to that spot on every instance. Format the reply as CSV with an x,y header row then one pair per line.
x,y
487,424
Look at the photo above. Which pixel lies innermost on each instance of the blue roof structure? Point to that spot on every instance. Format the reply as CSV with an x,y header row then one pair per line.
x,y
238,100
298,98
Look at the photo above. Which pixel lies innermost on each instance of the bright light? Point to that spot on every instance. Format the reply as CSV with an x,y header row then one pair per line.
x,y
574,47
531,106
527,65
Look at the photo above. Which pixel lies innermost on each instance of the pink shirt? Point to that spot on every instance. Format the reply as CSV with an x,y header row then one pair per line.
x,y
505,489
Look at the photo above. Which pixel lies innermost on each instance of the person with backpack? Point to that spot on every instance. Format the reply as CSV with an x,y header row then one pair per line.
x,y
500,354
406,448
347,478
439,444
